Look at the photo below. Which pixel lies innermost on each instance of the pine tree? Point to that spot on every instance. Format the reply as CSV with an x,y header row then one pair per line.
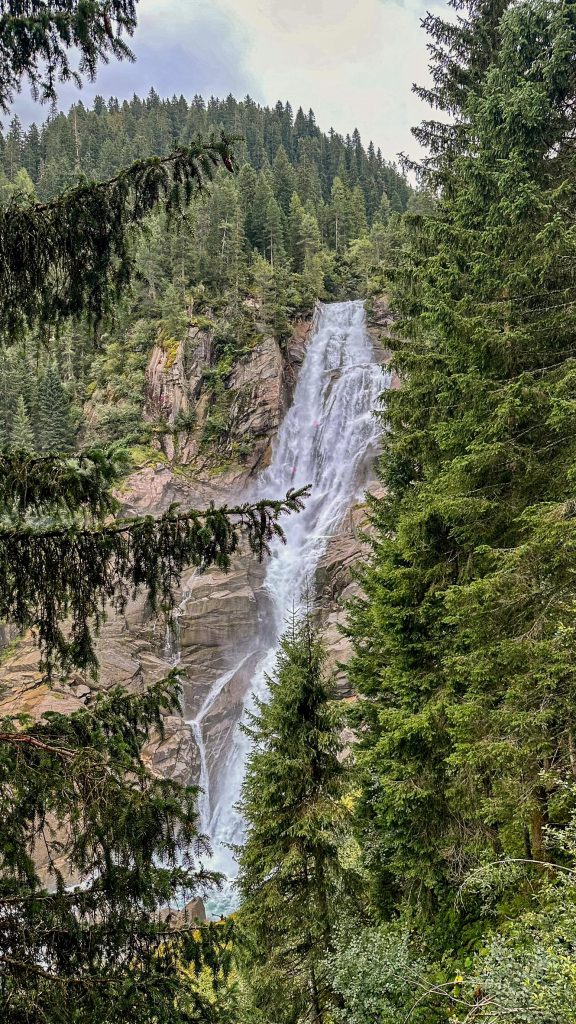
x,y
274,233
247,181
271,286
263,196
462,50
13,149
296,232
305,247
309,185
358,225
289,867
104,951
8,397
99,217
340,215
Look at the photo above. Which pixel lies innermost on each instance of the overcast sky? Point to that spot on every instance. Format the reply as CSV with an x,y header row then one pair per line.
x,y
352,62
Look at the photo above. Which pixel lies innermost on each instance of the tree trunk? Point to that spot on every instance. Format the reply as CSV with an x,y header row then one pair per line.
x,y
538,822
317,1015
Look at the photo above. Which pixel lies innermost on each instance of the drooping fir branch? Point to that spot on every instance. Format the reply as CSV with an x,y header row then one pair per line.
x,y
133,840
74,255
36,38
87,758
62,571
79,484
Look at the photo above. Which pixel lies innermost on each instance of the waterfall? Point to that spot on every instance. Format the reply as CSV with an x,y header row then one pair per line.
x,y
172,649
327,440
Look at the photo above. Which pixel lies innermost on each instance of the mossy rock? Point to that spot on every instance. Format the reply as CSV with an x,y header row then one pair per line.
x,y
9,649
146,455
171,346
202,323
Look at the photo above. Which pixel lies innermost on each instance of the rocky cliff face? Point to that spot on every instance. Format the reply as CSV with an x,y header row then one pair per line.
x,y
218,615
258,391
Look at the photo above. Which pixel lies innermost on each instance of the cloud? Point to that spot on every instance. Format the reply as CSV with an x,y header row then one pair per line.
x,y
180,47
353,63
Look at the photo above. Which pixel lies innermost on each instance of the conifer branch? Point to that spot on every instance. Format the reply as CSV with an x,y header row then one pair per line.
x,y
36,36
73,255
21,739
66,571
80,482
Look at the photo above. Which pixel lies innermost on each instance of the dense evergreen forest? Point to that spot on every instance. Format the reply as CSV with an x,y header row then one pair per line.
x,y
427,874
304,218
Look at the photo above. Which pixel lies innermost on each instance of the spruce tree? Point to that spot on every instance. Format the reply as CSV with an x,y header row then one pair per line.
x,y
22,435
462,50
340,215
358,223
38,241
263,196
53,425
36,39
465,638
303,234
289,867
12,157
75,792
284,179
274,233
8,396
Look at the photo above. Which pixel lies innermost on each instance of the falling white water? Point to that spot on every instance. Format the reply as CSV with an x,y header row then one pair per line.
x,y
172,649
327,440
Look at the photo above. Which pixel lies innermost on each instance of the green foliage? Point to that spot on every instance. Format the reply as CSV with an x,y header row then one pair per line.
x,y
526,971
54,425
376,974
290,873
74,790
205,257
19,188
40,241
50,485
41,566
529,977
464,642
116,382
35,40
22,435
464,639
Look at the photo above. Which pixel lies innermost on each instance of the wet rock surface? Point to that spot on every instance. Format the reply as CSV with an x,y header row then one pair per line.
x,y
220,619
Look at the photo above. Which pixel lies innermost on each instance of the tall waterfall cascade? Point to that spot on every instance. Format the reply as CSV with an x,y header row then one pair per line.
x,y
328,440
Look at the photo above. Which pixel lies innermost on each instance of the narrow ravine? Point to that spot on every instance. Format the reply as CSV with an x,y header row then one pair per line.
x,y
328,439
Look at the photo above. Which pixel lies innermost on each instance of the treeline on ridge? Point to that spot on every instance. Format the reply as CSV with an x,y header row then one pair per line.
x,y
306,216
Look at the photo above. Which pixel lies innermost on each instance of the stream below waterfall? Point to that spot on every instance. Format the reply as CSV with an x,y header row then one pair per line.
x,y
328,440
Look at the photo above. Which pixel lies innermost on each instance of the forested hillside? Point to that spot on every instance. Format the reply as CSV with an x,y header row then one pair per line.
x,y
304,218
407,854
